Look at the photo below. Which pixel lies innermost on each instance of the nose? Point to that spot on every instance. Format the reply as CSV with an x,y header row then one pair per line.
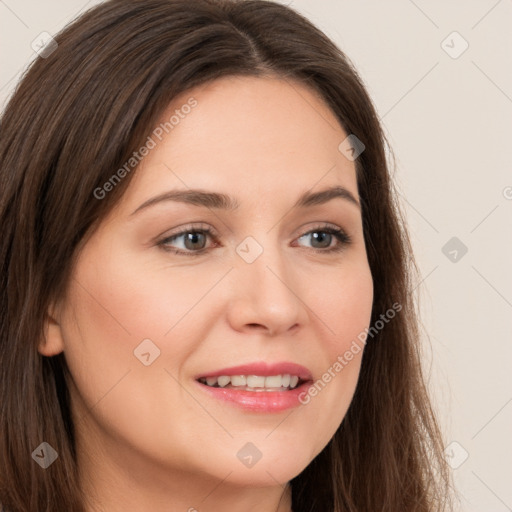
x,y
265,295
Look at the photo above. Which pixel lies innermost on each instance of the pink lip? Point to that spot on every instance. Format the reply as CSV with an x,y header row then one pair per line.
x,y
263,369
260,401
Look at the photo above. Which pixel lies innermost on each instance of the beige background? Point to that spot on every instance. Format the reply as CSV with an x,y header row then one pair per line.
x,y
449,121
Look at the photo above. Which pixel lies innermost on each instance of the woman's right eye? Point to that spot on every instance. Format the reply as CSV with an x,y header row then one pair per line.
x,y
193,241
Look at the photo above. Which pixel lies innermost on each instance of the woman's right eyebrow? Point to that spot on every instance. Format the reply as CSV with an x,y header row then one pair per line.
x,y
193,196
216,200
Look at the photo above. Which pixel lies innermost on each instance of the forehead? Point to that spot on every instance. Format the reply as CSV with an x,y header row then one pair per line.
x,y
246,135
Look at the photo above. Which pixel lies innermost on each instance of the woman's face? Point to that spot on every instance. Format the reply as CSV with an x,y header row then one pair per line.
x,y
140,323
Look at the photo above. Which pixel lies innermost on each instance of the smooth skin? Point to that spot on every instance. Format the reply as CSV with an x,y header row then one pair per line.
x,y
148,437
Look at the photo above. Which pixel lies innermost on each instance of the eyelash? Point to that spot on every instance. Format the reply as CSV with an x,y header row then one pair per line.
x,y
343,239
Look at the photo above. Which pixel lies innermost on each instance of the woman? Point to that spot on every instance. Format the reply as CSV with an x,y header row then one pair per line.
x,y
206,298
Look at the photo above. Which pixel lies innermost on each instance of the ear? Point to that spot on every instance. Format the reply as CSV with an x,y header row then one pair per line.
x,y
52,342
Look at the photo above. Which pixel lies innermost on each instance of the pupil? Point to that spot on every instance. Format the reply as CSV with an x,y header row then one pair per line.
x,y
193,239
321,236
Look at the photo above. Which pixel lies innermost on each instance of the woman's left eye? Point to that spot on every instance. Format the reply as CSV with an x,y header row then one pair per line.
x,y
194,241
324,237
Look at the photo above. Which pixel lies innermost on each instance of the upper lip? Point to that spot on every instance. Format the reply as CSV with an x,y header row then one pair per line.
x,y
262,368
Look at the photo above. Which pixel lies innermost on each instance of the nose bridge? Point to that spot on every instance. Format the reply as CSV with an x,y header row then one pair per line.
x,y
266,259
264,286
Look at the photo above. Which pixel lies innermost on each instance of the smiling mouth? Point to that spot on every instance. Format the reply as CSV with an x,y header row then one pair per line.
x,y
257,383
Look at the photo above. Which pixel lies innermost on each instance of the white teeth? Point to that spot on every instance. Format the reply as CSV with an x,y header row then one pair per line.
x,y
223,380
253,382
238,380
211,381
275,381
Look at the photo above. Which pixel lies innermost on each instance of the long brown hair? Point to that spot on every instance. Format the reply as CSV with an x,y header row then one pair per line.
x,y
76,117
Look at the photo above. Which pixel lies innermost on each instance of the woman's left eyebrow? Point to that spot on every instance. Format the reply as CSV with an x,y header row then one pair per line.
x,y
216,200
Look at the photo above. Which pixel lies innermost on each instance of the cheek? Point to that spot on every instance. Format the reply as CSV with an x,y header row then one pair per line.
x,y
115,302
111,309
125,299
344,308
343,304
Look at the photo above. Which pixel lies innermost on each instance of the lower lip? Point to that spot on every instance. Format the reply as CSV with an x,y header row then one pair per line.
x,y
259,401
